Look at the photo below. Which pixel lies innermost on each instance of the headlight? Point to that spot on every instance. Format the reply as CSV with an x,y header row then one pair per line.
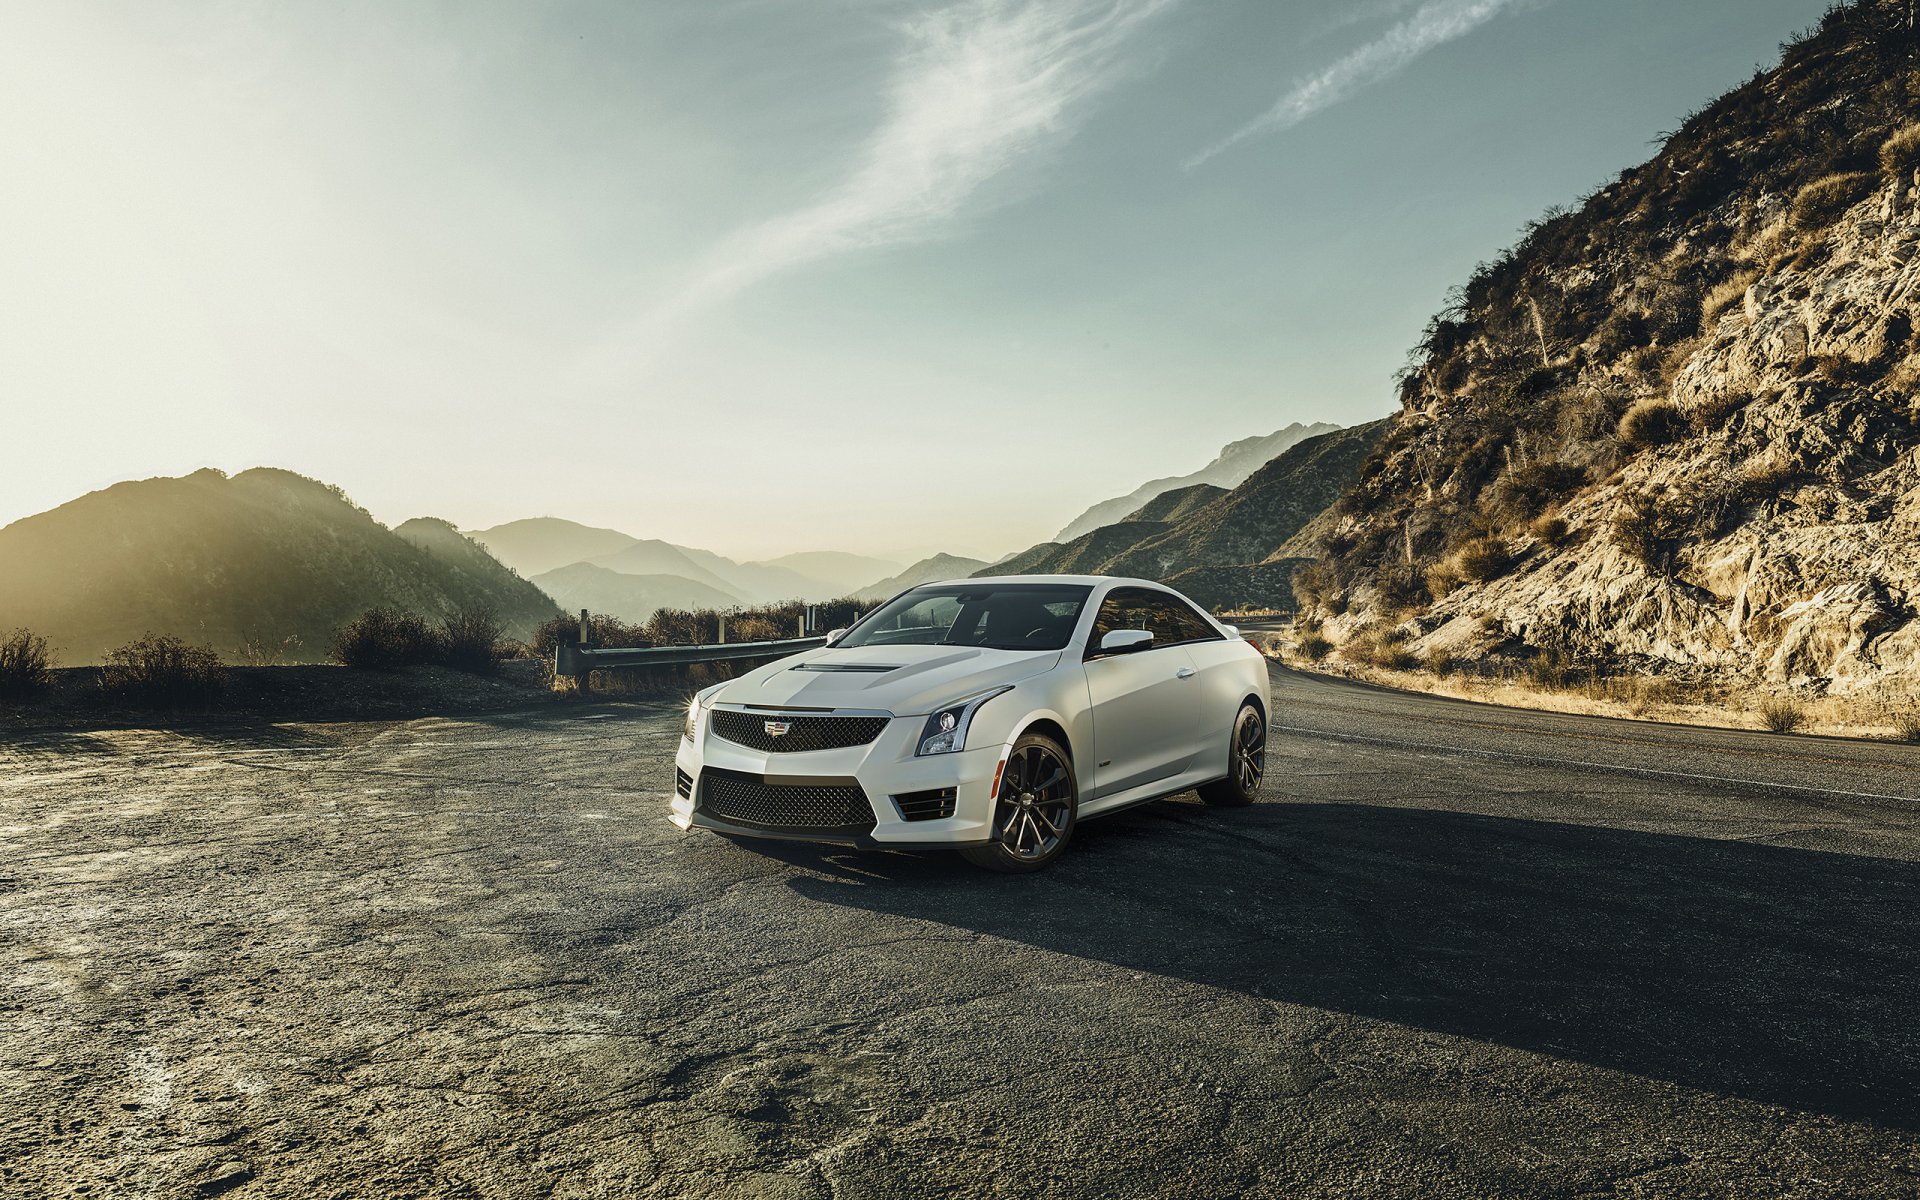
x,y
692,726
946,729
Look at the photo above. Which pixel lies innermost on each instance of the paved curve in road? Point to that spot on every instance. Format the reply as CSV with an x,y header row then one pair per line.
x,y
1455,951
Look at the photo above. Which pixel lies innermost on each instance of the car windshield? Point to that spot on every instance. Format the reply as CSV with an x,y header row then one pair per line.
x,y
1001,616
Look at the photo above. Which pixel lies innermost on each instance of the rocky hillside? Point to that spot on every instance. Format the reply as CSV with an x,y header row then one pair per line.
x,y
1223,548
265,557
1235,462
1676,427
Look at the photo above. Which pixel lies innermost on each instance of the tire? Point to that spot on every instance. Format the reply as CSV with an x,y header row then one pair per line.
x,y
1247,758
1032,824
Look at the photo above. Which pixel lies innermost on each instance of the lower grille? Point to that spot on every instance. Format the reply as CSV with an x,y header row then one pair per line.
x,y
682,783
925,806
798,732
830,806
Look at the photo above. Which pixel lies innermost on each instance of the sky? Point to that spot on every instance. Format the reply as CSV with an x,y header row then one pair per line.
x,y
772,275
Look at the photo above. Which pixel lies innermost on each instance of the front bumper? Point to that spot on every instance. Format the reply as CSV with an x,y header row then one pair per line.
x,y
883,769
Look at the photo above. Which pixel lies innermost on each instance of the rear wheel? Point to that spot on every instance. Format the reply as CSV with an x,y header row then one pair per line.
x,y
1034,811
1247,762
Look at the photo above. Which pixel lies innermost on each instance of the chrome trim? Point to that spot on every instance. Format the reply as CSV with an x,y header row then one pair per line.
x,y
776,710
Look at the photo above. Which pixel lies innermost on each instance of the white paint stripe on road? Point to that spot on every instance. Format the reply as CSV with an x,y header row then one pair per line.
x,y
1543,760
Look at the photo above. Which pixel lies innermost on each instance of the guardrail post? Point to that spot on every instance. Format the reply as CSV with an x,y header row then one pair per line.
x,y
583,682
723,629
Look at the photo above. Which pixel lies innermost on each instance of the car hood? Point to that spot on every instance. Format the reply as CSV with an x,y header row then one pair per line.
x,y
903,680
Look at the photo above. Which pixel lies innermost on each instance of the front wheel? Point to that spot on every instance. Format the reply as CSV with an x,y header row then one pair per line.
x,y
1034,810
1247,762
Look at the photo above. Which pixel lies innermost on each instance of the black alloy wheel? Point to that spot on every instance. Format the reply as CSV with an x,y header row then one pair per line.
x,y
1034,811
1246,762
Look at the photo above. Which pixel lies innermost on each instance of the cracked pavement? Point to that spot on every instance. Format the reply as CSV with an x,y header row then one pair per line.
x,y
1454,951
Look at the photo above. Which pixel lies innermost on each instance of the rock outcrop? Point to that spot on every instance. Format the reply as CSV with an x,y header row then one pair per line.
x,y
1679,428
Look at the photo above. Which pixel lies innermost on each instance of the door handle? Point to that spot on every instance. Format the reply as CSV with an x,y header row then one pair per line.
x,y
1184,673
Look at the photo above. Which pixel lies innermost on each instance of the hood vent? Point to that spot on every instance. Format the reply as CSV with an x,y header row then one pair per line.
x,y
847,668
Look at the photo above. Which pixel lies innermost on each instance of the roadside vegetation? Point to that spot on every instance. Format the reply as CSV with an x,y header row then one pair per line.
x,y
1565,680
26,666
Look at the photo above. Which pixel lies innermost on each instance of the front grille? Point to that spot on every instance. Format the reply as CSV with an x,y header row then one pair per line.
x,y
682,783
829,806
803,732
925,806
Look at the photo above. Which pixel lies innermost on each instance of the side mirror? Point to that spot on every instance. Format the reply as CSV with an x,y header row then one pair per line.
x,y
1126,641
834,635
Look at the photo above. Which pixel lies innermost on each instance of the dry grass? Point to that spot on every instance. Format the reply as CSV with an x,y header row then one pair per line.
x,y
1900,154
1820,203
26,666
1651,423
1312,646
1906,726
1783,715
165,673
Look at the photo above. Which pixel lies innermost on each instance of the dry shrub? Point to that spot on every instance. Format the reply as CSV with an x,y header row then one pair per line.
x,y
1550,531
1906,725
1650,423
471,642
1385,648
1783,715
1555,668
1484,558
1820,203
1727,293
163,672
1900,154
1440,661
1713,411
1312,646
384,639
26,666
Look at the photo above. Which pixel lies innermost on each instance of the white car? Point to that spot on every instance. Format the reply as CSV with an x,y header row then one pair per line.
x,y
987,716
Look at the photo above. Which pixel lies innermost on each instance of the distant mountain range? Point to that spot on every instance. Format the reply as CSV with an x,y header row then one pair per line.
x,y
631,598
265,556
1230,469
275,560
927,570
537,546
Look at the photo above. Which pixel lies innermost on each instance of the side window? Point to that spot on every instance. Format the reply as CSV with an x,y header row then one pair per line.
x,y
1172,621
1124,608
1193,627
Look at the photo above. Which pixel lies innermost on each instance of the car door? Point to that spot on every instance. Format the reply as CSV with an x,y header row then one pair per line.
x,y
1145,721
1221,664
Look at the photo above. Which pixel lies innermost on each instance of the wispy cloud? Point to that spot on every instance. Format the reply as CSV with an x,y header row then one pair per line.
x,y
1432,24
980,86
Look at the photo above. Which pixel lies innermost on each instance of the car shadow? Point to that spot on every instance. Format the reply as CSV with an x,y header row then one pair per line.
x,y
1779,975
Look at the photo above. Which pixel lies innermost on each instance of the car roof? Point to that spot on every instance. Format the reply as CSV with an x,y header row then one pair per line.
x,y
1087,580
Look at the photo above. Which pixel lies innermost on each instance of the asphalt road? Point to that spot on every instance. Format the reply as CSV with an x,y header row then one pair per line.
x,y
1455,951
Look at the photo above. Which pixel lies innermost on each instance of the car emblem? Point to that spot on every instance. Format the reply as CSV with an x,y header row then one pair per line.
x,y
779,728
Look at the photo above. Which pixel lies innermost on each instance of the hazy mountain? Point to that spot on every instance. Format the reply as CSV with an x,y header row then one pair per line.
x,y
842,573
650,556
928,570
1214,544
631,598
265,555
539,544
1676,425
1235,463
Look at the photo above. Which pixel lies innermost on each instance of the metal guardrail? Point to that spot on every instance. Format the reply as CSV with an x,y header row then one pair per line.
x,y
576,661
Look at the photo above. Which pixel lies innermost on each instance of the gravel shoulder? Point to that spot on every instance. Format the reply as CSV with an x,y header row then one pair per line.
x,y
1455,951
